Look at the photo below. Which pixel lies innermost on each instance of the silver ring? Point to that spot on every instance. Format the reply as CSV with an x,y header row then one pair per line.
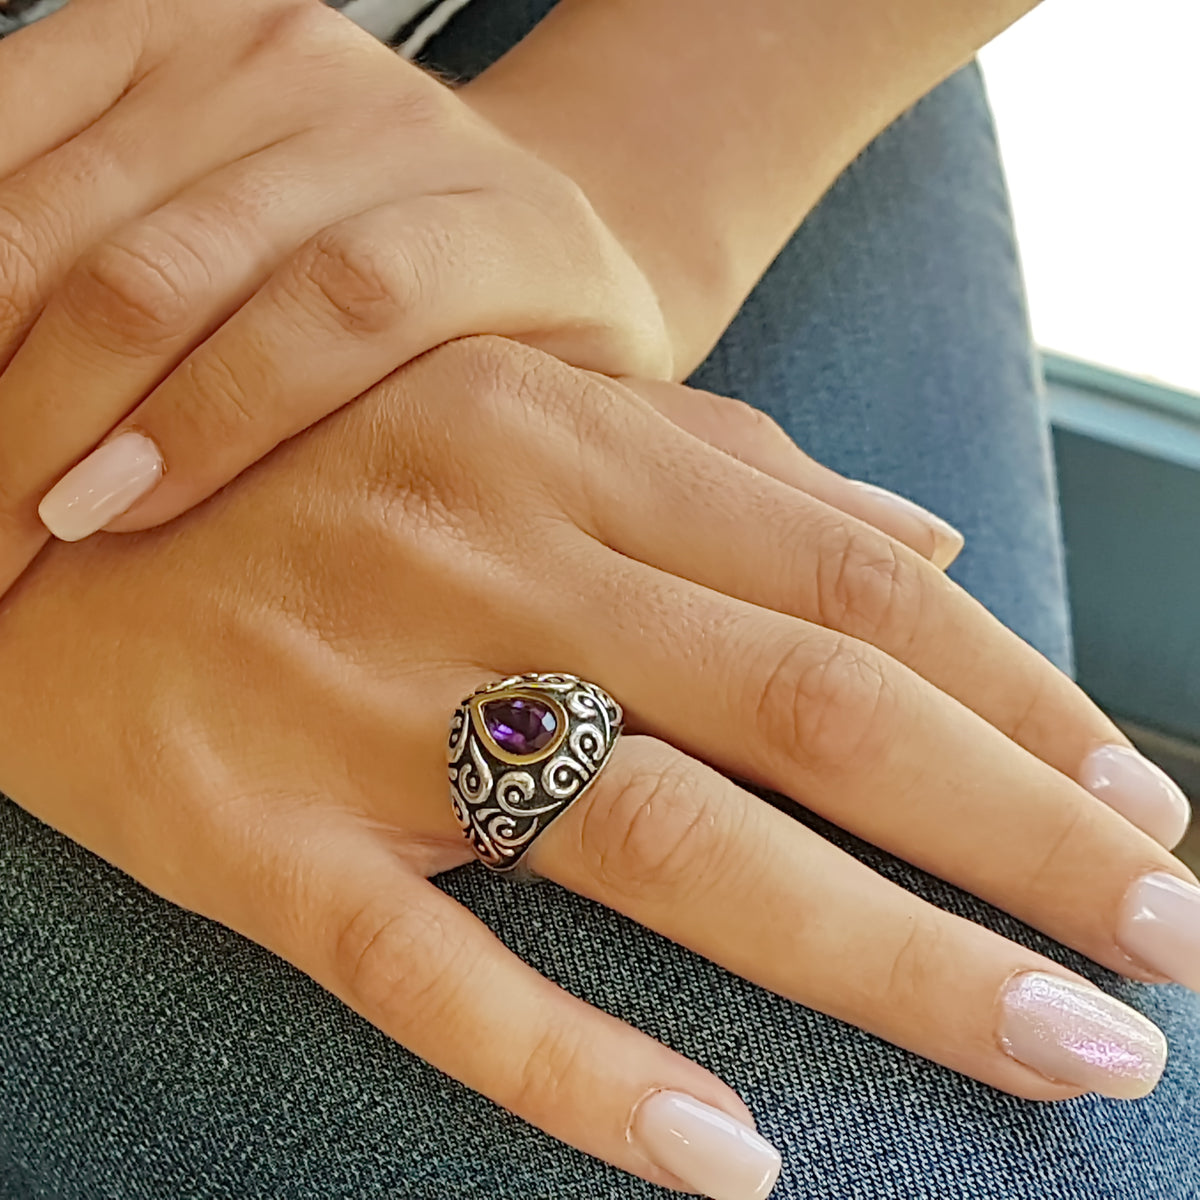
x,y
522,751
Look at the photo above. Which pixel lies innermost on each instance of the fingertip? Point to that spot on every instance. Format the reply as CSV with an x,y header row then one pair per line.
x,y
106,484
948,544
905,519
704,1147
1139,790
1073,1034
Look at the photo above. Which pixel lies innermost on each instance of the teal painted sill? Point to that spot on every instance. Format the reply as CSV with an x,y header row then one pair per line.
x,y
1128,454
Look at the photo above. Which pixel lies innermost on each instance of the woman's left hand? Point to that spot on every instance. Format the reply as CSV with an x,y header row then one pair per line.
x,y
239,215
248,712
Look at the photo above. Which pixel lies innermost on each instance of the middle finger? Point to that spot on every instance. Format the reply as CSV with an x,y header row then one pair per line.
x,y
870,745
799,556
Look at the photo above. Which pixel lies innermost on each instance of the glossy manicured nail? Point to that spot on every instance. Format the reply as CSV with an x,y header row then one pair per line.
x,y
705,1148
947,541
1074,1033
1159,927
107,483
1139,791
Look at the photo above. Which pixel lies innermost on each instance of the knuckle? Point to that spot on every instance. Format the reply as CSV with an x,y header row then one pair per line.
x,y
831,710
138,291
18,520
547,1072
379,959
743,431
365,287
19,273
656,831
868,587
296,30
1037,713
1067,839
425,106
746,424
219,406
508,385
915,964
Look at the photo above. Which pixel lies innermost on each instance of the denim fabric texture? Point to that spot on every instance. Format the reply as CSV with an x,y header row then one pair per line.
x,y
147,1054
16,14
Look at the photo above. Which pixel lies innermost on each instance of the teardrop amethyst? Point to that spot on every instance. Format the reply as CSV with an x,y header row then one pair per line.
x,y
520,725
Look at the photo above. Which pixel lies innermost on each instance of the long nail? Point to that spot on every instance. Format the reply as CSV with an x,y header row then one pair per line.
x,y
1159,927
1074,1033
705,1148
947,541
1139,791
107,483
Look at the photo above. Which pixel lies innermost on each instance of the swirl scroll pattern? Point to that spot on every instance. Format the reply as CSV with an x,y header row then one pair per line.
x,y
503,805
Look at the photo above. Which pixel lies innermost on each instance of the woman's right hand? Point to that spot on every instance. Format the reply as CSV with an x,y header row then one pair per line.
x,y
248,711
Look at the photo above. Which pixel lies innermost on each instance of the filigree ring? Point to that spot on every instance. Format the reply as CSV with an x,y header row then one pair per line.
x,y
521,752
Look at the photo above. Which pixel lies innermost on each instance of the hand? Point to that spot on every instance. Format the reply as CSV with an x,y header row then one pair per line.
x,y
488,511
239,216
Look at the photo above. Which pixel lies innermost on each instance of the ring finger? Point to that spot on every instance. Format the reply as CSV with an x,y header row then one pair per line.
x,y
678,848
870,745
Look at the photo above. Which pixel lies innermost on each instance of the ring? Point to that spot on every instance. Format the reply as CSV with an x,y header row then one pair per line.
x,y
521,752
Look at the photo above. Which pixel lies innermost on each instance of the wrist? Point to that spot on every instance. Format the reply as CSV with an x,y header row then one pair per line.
x,y
687,254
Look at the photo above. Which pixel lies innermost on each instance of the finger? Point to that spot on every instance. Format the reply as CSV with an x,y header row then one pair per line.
x,y
678,848
752,437
799,556
123,165
363,297
430,975
82,43
864,741
136,303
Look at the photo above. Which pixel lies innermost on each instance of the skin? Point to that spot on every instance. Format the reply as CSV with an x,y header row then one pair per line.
x,y
223,290
703,132
286,776
226,288
330,212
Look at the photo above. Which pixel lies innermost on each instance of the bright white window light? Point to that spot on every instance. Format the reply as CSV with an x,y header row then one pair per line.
x,y
1098,105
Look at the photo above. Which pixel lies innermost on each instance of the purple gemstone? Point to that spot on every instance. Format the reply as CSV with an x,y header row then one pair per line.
x,y
520,726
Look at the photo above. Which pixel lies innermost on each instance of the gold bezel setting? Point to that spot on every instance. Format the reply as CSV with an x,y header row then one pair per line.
x,y
504,800
477,704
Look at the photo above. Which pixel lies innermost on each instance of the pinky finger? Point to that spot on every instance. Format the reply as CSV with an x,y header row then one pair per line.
x,y
432,976
749,434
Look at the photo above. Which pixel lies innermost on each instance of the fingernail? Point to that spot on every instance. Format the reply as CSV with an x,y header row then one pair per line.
x,y
704,1147
107,483
1159,927
1139,791
947,541
1074,1033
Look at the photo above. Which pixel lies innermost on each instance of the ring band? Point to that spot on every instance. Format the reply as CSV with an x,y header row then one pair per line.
x,y
521,752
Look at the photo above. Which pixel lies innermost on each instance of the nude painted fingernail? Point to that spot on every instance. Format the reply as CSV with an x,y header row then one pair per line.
x,y
947,541
107,483
705,1148
1139,791
1159,927
1074,1033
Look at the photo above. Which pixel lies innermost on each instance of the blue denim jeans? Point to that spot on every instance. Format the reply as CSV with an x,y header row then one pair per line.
x,y
148,1054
